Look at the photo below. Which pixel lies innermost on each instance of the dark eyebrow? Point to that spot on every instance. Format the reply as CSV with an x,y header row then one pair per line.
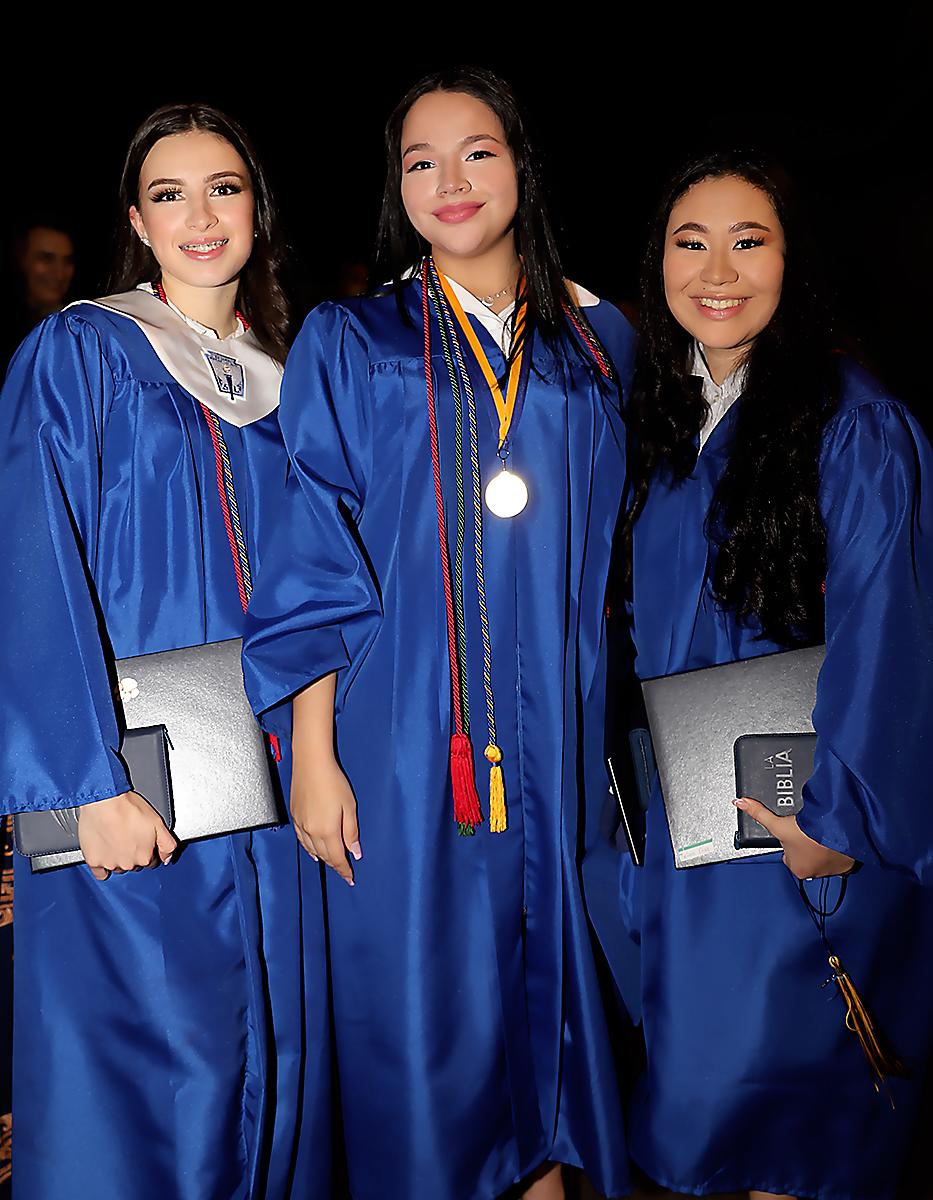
x,y
480,137
739,227
467,141
208,179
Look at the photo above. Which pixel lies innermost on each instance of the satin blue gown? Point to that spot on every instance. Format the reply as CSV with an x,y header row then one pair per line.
x,y
470,1038
752,1079
169,1023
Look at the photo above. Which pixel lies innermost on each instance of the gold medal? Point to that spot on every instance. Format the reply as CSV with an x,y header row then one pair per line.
x,y
506,494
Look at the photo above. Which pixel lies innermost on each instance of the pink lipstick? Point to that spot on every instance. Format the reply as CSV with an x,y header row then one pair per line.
x,y
454,214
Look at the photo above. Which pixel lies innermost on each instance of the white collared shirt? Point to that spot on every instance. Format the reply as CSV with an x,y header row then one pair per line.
x,y
719,396
499,325
203,330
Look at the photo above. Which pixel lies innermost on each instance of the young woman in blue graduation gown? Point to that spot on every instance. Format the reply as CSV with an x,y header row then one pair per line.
x,y
806,515
160,1046
471,1046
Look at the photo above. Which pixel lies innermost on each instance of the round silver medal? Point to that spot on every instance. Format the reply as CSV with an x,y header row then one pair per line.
x,y
506,494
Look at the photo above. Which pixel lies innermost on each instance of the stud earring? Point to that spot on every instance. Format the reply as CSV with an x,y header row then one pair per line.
x,y
145,241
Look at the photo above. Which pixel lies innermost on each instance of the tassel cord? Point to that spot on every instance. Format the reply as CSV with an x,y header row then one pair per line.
x,y
467,812
884,1063
461,519
462,384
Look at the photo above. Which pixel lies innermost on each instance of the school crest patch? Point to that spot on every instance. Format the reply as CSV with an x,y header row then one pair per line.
x,y
228,375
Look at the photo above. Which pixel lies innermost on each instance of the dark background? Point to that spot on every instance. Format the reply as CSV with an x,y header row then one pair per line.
x,y
613,113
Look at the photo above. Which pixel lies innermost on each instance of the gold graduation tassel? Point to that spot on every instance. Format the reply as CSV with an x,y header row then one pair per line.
x,y
498,818
859,1020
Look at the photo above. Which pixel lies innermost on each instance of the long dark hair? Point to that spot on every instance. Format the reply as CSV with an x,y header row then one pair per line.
x,y
399,246
764,519
260,296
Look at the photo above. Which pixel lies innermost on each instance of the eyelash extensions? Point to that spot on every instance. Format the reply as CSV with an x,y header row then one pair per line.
x,y
742,243
233,186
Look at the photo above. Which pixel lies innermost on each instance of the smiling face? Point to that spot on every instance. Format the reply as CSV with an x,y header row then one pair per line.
x,y
196,208
459,183
724,263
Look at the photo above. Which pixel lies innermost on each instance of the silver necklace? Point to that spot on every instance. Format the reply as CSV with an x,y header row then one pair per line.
x,y
489,301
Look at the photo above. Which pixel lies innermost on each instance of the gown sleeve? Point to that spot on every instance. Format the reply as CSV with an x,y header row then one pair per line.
x,y
59,737
869,793
315,606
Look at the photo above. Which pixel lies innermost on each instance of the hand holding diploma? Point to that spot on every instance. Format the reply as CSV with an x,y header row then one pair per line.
x,y
124,833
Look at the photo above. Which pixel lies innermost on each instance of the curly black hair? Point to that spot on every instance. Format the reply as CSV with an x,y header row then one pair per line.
x,y
764,519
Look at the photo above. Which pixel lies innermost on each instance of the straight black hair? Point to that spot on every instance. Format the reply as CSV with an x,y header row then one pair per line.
x,y
764,518
400,247
260,296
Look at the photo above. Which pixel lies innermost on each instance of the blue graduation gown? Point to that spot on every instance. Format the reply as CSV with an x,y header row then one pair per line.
x,y
471,1043
160,1045
752,1079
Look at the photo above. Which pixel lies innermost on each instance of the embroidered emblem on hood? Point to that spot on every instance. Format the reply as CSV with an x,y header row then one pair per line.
x,y
228,375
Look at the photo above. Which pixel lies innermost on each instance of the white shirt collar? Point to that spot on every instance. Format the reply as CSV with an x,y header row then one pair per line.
x,y
203,330
499,325
719,396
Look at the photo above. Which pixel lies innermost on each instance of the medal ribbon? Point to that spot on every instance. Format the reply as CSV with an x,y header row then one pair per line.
x,y
505,405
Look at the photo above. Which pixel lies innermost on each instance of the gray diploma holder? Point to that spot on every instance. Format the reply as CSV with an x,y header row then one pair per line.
x,y
222,779
696,718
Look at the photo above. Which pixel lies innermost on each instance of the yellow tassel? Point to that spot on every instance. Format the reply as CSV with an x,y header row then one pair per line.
x,y
498,818
859,1020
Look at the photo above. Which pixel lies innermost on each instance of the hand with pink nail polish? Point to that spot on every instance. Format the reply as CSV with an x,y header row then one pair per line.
x,y
803,857
322,803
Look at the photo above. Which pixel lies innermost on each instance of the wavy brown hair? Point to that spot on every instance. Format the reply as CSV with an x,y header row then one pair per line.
x,y
260,296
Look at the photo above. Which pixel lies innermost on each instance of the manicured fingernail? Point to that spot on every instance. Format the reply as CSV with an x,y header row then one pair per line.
x,y
740,803
315,857
356,850
351,882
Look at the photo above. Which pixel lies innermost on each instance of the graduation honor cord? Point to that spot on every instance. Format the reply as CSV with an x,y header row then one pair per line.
x,y
506,496
467,812
228,503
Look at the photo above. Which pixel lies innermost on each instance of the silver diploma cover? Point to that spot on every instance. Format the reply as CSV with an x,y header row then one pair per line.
x,y
222,780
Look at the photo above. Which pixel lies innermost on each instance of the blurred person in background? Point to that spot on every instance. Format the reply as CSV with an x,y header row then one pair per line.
x,y
44,268
44,261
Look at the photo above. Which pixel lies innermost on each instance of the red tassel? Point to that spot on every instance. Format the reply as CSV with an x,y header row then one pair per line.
x,y
276,748
466,802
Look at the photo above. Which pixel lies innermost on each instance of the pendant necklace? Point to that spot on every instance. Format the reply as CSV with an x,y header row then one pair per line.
x,y
489,301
